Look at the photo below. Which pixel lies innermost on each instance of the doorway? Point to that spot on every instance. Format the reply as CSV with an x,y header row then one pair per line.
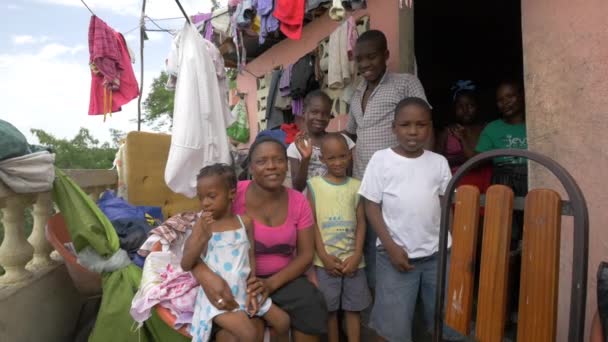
x,y
467,40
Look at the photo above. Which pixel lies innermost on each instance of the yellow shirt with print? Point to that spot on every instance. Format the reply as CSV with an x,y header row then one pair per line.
x,y
336,213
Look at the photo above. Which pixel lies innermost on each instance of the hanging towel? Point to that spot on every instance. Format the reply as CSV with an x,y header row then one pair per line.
x,y
291,15
199,126
113,82
339,69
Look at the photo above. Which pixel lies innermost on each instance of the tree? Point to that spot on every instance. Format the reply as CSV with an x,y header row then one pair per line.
x,y
81,152
117,137
158,106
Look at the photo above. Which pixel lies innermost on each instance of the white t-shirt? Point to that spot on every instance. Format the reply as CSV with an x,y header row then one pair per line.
x,y
315,166
408,190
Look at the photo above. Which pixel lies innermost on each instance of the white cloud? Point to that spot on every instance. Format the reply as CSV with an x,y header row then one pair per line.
x,y
154,8
23,39
50,90
13,7
53,50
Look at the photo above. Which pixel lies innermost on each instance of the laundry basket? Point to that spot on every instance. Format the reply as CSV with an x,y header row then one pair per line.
x,y
86,282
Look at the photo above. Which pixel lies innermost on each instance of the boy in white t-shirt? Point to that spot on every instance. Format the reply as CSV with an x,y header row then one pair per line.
x,y
305,152
402,186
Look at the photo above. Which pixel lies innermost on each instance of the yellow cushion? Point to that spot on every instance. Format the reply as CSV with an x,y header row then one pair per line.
x,y
146,160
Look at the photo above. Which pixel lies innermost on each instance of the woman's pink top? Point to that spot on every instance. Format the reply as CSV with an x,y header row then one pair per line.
x,y
275,246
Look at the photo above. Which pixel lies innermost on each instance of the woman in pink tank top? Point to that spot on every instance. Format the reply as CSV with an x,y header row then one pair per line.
x,y
284,245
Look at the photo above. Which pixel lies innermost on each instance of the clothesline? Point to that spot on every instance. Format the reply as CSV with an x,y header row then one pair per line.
x,y
87,6
157,25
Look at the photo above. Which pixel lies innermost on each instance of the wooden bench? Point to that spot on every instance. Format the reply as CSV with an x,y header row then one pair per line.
x,y
540,256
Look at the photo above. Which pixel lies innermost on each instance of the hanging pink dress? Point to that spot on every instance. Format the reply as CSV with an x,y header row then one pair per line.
x,y
113,82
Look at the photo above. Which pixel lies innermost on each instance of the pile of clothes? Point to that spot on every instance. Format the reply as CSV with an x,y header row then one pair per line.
x,y
24,168
131,223
163,282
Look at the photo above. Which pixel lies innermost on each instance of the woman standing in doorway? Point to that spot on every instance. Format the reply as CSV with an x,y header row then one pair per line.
x,y
284,246
457,142
508,132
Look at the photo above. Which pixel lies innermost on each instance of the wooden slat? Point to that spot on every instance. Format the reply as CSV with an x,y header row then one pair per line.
x,y
461,279
492,299
539,267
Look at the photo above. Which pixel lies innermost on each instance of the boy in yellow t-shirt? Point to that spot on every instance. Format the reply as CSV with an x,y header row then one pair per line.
x,y
339,238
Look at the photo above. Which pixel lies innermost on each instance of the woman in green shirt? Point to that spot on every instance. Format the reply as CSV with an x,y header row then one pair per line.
x,y
508,132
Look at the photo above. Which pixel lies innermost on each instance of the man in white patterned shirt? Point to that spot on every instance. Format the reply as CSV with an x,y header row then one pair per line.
x,y
371,114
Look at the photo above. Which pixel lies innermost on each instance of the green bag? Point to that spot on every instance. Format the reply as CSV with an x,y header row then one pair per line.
x,y
89,227
239,130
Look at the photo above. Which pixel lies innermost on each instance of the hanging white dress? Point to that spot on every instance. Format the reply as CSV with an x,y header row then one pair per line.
x,y
199,124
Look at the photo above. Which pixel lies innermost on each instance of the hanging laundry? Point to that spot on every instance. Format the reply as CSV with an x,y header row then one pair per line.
x,y
269,22
297,106
274,116
113,82
206,28
220,20
339,68
311,5
351,37
283,99
291,15
337,11
303,77
172,67
245,14
284,88
200,116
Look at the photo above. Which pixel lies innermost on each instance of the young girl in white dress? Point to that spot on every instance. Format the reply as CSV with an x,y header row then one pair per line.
x,y
223,241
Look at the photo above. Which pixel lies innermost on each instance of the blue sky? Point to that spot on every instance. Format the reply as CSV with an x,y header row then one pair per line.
x,y
44,75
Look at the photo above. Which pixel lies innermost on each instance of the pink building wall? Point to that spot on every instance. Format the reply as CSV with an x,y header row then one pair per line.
x,y
384,16
566,78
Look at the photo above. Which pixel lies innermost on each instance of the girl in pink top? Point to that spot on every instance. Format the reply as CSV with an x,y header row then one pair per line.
x,y
284,245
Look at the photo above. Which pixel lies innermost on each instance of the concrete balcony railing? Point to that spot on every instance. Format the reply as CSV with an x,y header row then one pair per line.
x,y
22,257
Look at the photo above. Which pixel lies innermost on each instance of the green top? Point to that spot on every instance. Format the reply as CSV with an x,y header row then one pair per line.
x,y
498,134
